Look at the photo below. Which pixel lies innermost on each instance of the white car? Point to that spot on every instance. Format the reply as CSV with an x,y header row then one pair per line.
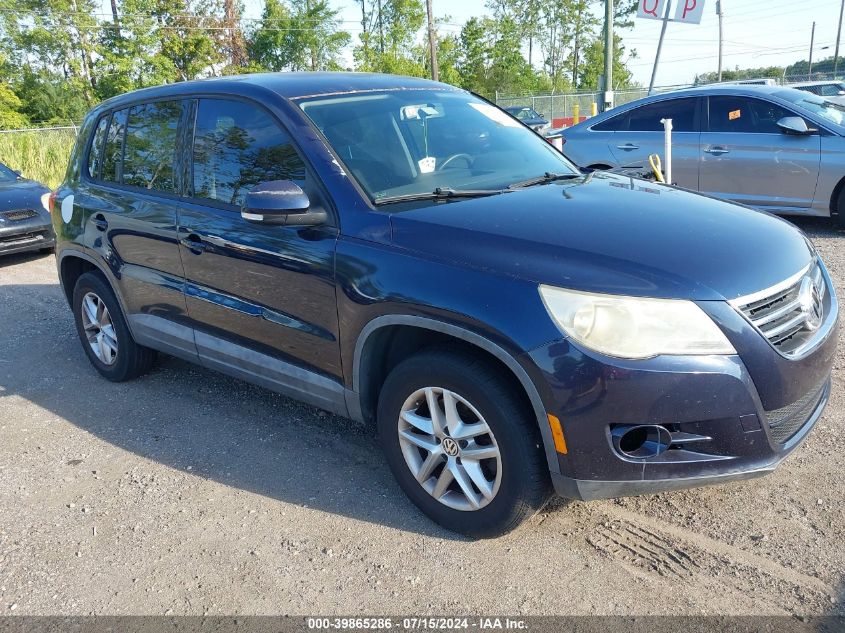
x,y
830,90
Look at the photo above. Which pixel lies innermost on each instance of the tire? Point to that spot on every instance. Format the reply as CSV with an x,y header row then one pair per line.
x,y
838,215
123,359
517,478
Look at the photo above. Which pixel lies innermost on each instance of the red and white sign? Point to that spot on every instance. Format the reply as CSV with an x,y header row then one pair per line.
x,y
652,9
689,11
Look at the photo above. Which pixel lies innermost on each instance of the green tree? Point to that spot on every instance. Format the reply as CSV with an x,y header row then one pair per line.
x,y
300,35
593,67
389,44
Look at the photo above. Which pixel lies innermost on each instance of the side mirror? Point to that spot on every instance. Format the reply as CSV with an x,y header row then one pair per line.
x,y
793,125
840,93
280,202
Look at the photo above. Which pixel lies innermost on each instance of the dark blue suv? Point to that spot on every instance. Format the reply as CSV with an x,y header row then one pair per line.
x,y
404,253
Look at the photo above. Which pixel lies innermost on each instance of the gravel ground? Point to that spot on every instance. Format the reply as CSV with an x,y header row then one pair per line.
x,y
186,492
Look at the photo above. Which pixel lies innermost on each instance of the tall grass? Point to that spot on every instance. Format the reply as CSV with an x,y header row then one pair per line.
x,y
41,155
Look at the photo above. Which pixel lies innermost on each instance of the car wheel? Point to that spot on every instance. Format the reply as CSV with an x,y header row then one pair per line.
x,y
103,331
461,443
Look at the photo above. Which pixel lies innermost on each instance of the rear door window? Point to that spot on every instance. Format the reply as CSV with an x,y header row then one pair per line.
x,y
613,124
151,146
236,146
647,118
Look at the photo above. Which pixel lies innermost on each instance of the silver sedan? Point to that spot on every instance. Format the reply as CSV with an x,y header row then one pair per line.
x,y
777,149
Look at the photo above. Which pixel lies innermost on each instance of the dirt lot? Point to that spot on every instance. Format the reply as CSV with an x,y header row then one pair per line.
x,y
186,492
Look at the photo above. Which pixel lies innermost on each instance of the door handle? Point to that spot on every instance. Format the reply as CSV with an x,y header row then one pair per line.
x,y
194,244
100,222
627,147
717,151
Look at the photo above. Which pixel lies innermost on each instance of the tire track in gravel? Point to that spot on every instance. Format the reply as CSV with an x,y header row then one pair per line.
x,y
647,546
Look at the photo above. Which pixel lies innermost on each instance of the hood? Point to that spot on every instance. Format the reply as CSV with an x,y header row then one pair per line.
x,y
612,234
21,194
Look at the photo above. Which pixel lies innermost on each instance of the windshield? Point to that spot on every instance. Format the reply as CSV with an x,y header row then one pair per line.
x,y
827,110
405,142
7,174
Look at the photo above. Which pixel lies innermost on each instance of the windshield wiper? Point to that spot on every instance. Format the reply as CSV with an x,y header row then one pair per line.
x,y
544,179
441,193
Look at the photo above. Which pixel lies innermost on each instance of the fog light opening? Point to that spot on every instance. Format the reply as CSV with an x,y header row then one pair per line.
x,y
642,441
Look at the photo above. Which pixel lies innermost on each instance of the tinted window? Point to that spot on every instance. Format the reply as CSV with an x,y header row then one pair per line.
x,y
829,90
113,148
95,154
614,124
150,152
647,118
743,114
238,145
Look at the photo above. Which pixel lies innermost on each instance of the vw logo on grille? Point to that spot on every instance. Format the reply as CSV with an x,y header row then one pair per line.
x,y
811,304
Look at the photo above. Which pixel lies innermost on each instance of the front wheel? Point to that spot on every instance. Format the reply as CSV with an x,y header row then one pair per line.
x,y
461,443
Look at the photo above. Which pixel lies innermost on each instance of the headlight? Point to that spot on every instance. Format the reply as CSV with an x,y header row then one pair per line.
x,y
634,327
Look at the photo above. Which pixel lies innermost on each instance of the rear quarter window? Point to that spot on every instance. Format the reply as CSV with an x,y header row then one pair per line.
x,y
112,157
95,153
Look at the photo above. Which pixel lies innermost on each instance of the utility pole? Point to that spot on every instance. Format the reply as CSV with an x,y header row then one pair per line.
x,y
380,30
608,54
812,39
364,37
660,45
432,41
838,33
236,43
719,11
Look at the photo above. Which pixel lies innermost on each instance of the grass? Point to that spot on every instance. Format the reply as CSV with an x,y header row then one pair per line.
x,y
41,155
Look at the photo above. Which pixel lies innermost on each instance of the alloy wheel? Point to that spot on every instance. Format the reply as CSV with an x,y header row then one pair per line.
x,y
99,329
450,449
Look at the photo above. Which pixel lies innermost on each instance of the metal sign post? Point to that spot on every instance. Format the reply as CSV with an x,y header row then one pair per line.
x,y
688,11
667,149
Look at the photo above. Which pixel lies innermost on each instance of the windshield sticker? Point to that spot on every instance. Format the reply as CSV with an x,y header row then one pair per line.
x,y
494,114
427,164
733,116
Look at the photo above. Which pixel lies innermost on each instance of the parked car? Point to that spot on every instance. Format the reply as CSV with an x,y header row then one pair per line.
x,y
24,220
777,149
830,90
529,117
404,253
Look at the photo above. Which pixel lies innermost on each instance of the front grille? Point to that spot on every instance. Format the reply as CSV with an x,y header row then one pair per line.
x,y
19,214
784,316
22,239
786,422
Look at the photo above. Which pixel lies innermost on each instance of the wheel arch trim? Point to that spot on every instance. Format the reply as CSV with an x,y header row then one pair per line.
x,y
104,270
473,338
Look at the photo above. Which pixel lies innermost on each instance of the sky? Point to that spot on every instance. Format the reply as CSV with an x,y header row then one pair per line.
x,y
756,33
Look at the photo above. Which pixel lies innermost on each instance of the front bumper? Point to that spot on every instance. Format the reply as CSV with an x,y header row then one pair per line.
x,y
28,235
592,489
727,417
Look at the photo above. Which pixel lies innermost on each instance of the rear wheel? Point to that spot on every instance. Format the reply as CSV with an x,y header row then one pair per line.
x,y
461,443
103,331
